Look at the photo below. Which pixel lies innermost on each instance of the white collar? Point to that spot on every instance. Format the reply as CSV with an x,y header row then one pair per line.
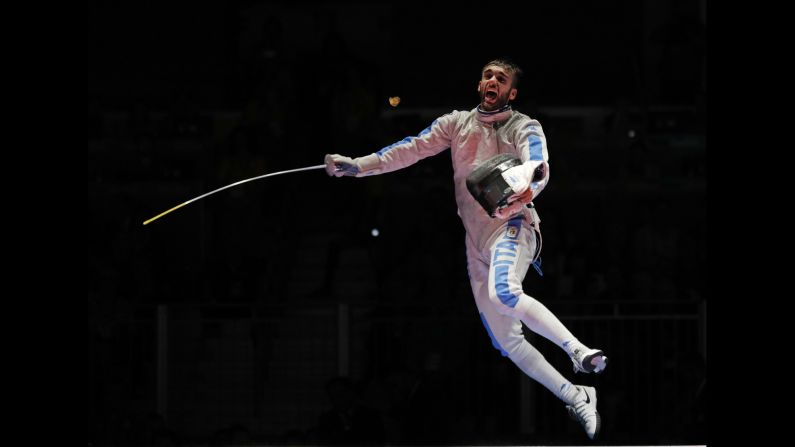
x,y
494,116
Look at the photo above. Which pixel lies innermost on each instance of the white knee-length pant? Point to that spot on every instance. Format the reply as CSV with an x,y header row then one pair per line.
x,y
496,272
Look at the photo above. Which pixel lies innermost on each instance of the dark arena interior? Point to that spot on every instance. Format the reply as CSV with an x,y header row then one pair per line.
x,y
305,309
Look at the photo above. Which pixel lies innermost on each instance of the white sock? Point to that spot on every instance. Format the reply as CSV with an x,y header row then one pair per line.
x,y
533,363
571,345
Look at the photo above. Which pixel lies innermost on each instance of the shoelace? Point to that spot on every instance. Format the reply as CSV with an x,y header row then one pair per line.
x,y
580,411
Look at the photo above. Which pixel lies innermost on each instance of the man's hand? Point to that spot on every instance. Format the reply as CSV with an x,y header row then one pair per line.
x,y
520,177
338,165
525,197
515,204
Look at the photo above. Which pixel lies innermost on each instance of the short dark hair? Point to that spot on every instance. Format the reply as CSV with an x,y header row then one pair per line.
x,y
509,66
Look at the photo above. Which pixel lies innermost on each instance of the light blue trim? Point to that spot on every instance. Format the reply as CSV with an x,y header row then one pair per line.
x,y
491,335
502,287
407,139
536,147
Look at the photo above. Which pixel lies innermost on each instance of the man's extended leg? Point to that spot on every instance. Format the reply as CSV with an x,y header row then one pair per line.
x,y
507,337
511,251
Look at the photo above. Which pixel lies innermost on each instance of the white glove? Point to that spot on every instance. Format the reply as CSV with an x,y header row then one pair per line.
x,y
519,178
339,165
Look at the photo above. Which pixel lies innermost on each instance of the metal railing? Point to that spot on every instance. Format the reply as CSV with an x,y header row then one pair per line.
x,y
265,367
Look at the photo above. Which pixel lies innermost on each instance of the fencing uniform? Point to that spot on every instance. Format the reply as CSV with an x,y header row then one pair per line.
x,y
499,251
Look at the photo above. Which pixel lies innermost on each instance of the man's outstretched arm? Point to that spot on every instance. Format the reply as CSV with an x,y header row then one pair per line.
x,y
432,140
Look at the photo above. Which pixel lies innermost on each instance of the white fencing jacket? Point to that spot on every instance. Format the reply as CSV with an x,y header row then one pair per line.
x,y
473,137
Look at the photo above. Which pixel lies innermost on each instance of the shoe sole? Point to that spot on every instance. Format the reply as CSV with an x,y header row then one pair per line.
x,y
601,363
598,426
573,416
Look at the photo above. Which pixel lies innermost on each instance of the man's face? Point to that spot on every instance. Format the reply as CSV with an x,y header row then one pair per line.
x,y
495,88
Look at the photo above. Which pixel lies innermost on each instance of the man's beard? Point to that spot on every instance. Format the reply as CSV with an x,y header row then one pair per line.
x,y
498,104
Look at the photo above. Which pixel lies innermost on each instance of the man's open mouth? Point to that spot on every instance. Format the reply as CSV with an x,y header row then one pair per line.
x,y
491,94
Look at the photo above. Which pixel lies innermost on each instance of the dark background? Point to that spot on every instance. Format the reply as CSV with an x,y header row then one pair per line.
x,y
227,321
